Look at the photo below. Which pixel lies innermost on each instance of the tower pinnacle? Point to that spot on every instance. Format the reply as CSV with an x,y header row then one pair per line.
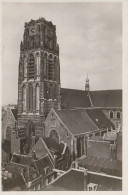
x,y
87,86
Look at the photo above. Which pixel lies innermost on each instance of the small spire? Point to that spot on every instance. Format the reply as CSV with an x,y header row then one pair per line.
x,y
87,87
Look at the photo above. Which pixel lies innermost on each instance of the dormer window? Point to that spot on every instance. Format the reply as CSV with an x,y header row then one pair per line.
x,y
92,187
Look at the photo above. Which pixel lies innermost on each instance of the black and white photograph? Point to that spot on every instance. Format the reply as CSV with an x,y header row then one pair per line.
x,y
61,96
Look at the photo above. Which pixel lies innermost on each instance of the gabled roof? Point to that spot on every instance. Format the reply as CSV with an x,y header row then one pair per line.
x,y
77,121
10,183
23,159
104,165
104,182
72,180
99,118
40,149
74,98
54,146
106,98
14,112
16,169
42,163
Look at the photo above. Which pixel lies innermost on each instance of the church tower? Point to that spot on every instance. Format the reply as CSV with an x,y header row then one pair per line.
x,y
39,75
87,86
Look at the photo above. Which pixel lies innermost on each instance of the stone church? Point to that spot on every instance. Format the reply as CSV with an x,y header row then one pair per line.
x,y
39,76
39,91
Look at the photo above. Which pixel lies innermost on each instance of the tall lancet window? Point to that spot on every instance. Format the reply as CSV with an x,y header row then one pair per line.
x,y
50,67
31,67
38,64
55,69
45,64
25,67
24,98
30,98
37,98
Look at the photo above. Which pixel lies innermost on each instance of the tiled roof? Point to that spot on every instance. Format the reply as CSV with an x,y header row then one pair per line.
x,y
104,165
40,149
105,183
106,98
99,118
10,183
77,121
42,163
74,98
16,169
22,159
14,112
73,180
52,145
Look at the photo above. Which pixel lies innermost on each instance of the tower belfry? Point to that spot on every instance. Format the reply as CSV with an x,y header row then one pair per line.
x,y
87,86
39,73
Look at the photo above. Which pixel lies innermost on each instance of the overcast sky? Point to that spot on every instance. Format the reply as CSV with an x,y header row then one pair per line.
x,y
89,36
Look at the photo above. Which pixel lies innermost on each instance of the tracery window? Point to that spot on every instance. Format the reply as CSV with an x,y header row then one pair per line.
x,y
31,65
25,67
55,69
50,68
50,92
37,97
45,64
45,91
24,98
30,97
38,64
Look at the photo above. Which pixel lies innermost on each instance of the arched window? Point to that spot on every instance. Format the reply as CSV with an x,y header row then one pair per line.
x,y
32,42
50,92
118,114
54,135
30,127
55,69
45,91
111,114
30,98
8,132
45,64
50,68
24,98
27,32
38,64
25,67
38,28
31,66
55,92
37,98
